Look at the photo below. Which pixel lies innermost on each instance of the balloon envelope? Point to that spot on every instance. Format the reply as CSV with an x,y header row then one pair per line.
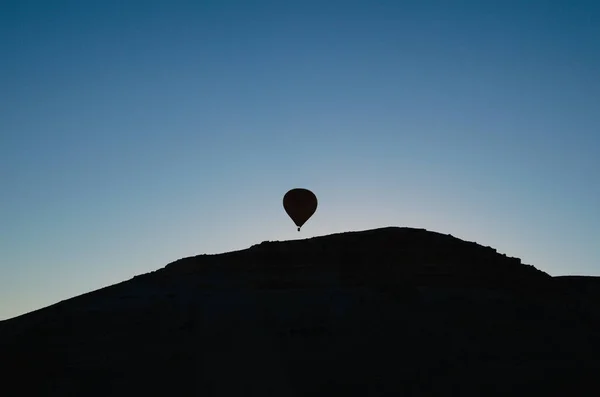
x,y
300,204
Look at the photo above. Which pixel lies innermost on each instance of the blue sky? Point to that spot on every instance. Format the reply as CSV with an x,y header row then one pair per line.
x,y
134,133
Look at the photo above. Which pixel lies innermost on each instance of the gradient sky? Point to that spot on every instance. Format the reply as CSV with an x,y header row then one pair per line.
x,y
135,133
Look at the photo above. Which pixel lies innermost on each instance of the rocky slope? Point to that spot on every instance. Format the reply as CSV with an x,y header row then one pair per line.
x,y
378,312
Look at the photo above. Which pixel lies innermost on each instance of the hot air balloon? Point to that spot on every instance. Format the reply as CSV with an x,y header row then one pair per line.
x,y
300,204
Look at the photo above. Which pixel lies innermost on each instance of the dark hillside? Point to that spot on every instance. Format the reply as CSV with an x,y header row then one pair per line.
x,y
392,311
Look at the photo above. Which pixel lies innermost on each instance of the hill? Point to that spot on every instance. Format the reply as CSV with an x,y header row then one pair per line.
x,y
378,312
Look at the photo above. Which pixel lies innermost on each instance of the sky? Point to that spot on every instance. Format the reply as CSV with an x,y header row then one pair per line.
x,y
135,133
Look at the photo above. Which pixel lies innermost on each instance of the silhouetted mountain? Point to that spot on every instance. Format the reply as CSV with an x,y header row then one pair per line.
x,y
392,311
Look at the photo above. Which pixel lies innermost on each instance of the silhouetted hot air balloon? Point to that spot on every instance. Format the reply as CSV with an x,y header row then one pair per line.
x,y
300,204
